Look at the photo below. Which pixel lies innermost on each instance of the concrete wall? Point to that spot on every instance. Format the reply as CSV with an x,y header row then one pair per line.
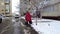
x,y
53,10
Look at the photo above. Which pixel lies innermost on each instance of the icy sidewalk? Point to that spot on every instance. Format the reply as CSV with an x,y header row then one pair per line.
x,y
46,26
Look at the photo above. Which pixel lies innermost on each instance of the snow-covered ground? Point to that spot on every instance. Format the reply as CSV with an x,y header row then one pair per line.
x,y
46,26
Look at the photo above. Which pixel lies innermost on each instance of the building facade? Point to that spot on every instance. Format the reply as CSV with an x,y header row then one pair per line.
x,y
52,10
5,7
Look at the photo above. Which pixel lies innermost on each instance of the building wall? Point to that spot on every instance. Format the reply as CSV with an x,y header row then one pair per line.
x,y
10,9
2,7
5,6
53,10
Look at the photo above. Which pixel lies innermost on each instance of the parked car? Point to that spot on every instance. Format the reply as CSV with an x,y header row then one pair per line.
x,y
16,15
1,17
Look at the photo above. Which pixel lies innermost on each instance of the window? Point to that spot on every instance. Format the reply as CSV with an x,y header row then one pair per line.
x,y
7,9
47,0
7,1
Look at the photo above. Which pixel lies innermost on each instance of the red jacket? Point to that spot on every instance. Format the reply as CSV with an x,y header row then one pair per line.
x,y
27,16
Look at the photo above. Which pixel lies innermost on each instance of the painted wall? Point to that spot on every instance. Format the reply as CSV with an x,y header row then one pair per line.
x,y
53,10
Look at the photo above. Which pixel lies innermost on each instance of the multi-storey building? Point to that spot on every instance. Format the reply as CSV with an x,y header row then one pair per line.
x,y
5,7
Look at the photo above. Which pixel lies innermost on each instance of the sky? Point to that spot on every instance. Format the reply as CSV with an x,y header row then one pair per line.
x,y
15,4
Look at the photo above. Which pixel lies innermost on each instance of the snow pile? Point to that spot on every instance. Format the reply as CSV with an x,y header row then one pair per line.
x,y
46,26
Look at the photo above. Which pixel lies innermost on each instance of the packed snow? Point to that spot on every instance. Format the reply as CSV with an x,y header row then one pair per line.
x,y
46,26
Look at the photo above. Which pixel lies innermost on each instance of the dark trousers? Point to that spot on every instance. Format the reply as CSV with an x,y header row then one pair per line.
x,y
0,20
29,22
